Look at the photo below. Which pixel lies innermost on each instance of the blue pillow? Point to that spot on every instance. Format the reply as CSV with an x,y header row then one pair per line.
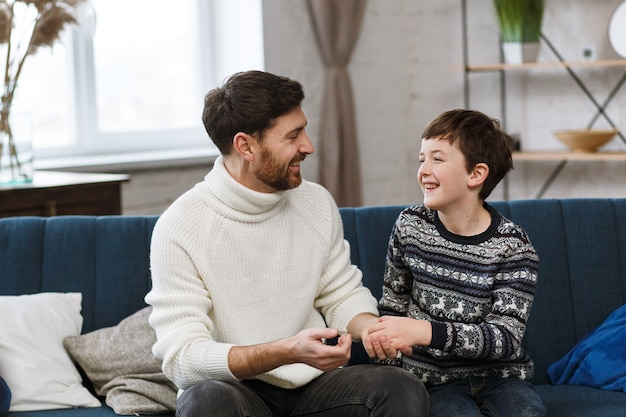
x,y
5,397
599,359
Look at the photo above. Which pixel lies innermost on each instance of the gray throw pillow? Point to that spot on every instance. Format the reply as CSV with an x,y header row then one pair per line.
x,y
119,362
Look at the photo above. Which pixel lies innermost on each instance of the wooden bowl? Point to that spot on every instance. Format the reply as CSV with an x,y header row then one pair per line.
x,y
585,140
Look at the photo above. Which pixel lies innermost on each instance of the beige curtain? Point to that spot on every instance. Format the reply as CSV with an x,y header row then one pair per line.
x,y
336,24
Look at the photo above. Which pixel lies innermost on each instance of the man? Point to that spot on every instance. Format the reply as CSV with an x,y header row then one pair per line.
x,y
251,275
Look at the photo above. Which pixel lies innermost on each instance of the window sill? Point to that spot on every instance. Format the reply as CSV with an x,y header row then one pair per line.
x,y
139,161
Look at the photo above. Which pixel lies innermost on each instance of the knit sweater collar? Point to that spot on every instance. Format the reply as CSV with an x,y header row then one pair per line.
x,y
233,199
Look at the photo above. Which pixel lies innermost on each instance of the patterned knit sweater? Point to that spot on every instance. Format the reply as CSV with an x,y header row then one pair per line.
x,y
231,266
477,292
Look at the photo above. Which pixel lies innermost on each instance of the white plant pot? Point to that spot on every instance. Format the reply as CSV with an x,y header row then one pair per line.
x,y
520,52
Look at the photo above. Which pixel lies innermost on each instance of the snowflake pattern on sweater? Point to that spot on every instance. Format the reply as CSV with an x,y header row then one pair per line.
x,y
477,291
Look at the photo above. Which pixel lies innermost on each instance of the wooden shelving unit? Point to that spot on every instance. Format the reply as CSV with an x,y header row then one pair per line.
x,y
545,65
569,156
501,68
563,158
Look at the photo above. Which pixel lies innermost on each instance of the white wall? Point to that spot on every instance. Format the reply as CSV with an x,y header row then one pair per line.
x,y
406,70
152,191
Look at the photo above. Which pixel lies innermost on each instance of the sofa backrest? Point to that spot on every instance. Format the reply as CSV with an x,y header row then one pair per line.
x,y
582,272
104,258
581,245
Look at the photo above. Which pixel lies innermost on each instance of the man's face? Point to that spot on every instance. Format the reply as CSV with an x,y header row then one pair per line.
x,y
283,147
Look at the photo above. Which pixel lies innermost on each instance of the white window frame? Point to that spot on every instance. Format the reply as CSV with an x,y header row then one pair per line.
x,y
216,37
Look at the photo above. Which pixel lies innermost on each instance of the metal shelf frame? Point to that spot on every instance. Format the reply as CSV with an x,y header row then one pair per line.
x,y
501,68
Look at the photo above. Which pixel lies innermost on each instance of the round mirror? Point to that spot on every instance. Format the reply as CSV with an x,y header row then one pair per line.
x,y
617,30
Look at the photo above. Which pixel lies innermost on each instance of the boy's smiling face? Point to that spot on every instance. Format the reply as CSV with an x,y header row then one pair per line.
x,y
442,175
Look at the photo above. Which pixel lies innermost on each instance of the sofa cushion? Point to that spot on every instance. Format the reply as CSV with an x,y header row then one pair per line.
x,y
118,360
36,367
598,360
581,401
5,397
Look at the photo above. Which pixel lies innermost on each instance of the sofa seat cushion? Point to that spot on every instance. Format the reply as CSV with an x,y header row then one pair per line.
x,y
75,412
581,401
5,397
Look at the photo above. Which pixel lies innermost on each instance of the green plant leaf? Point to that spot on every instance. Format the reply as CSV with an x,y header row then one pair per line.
x,y
519,20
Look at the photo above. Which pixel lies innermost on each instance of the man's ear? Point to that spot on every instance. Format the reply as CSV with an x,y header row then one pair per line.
x,y
243,144
478,175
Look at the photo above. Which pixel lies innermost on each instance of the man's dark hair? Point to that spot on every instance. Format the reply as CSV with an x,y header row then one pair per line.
x,y
480,139
248,102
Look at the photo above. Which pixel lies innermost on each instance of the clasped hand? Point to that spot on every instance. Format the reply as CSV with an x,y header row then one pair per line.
x,y
309,348
395,334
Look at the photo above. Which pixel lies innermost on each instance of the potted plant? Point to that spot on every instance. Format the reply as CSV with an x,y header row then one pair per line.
x,y
520,28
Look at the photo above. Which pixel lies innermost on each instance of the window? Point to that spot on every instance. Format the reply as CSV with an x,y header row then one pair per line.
x,y
132,75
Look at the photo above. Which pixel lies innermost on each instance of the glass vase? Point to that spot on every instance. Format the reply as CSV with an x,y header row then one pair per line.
x,y
16,145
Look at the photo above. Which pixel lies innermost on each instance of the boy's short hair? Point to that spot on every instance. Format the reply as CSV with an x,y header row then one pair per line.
x,y
480,139
248,102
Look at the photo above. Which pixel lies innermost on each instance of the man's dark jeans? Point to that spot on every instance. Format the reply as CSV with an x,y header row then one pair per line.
x,y
354,391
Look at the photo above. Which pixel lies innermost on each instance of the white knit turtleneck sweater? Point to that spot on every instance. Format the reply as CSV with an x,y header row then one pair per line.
x,y
232,266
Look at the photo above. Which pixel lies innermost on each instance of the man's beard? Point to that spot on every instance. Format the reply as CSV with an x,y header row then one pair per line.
x,y
276,176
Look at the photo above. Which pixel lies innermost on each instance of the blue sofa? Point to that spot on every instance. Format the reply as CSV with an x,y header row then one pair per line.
x,y
582,279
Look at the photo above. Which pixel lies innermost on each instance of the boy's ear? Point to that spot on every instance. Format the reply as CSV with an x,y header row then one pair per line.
x,y
243,144
478,175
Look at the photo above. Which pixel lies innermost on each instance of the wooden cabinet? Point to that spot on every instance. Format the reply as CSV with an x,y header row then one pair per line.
x,y
54,193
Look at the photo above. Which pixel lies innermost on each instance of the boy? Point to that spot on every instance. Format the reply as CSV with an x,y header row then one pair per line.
x,y
460,278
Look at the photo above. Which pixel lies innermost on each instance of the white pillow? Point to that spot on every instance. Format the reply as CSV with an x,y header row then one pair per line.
x,y
33,361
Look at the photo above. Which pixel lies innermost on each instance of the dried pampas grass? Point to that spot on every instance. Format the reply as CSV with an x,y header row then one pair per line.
x,y
41,23
49,26
26,26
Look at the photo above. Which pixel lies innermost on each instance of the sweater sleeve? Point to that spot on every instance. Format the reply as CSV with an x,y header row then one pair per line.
x,y
397,279
180,304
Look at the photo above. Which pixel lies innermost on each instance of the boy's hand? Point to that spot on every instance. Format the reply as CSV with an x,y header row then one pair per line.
x,y
393,334
379,347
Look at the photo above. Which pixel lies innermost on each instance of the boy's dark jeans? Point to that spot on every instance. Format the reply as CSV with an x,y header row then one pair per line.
x,y
485,397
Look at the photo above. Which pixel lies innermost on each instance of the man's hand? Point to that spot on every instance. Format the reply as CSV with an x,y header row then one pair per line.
x,y
309,348
305,347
